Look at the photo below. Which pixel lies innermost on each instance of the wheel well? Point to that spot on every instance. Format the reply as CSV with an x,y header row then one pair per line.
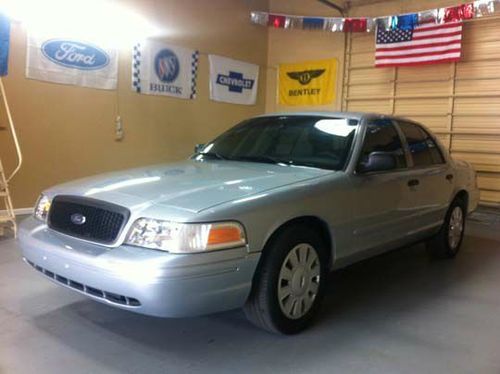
x,y
464,196
317,224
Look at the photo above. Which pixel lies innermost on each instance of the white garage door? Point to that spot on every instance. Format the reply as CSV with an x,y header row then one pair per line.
x,y
460,102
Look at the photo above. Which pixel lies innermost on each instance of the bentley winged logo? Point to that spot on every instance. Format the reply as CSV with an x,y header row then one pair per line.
x,y
306,76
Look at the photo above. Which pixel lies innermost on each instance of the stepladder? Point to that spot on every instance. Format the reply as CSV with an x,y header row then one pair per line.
x,y
7,216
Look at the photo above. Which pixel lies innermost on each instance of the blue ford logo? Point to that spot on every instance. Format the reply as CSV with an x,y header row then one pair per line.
x,y
167,66
78,219
77,55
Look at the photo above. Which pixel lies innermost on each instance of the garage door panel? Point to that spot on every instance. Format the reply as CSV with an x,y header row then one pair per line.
x,y
364,43
480,32
425,73
366,59
481,51
489,181
478,70
444,139
377,106
478,87
490,196
434,123
481,161
376,89
423,88
477,125
407,107
473,143
476,106
369,75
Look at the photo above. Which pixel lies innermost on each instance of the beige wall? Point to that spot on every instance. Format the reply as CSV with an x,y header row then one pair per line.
x,y
301,45
67,132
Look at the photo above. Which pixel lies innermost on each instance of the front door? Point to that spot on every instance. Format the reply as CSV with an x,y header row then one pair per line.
x,y
378,188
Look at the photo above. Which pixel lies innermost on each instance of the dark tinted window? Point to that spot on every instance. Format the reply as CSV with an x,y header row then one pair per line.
x,y
292,140
382,137
422,147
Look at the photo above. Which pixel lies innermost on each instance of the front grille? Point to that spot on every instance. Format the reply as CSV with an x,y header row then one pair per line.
x,y
105,295
88,219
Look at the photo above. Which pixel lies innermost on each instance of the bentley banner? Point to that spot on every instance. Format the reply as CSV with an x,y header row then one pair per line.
x,y
307,83
69,61
233,81
161,69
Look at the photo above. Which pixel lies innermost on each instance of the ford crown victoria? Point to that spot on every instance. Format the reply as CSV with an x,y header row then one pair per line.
x,y
255,218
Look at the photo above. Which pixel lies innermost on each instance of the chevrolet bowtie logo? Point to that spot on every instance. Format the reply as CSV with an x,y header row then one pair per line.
x,y
306,76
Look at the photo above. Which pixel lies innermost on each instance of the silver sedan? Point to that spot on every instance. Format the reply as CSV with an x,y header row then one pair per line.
x,y
255,218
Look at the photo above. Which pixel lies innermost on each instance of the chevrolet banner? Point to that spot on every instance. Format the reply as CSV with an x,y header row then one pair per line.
x,y
307,83
233,81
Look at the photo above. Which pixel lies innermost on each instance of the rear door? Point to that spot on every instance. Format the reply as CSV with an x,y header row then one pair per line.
x,y
430,178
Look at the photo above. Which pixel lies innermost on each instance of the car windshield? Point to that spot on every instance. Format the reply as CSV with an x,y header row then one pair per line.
x,y
313,141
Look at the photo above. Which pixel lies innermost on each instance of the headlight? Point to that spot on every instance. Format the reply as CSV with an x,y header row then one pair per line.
x,y
42,208
185,237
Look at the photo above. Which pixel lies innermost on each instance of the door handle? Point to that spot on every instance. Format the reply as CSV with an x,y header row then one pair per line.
x,y
413,182
449,177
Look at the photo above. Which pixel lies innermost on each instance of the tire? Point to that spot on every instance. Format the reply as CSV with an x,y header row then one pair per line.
x,y
295,262
446,244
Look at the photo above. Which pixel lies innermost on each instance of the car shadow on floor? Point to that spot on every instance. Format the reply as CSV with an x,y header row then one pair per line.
x,y
393,287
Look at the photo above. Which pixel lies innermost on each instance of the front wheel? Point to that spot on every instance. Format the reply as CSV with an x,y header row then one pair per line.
x,y
290,281
447,242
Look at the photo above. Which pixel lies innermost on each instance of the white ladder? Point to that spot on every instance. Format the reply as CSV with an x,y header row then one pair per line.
x,y
7,215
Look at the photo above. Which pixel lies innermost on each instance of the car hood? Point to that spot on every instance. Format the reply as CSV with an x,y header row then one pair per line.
x,y
190,185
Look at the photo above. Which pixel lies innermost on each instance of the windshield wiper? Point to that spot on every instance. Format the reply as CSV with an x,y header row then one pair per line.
x,y
265,159
216,155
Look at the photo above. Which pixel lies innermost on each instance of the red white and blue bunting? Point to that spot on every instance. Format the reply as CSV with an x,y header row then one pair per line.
x,y
476,9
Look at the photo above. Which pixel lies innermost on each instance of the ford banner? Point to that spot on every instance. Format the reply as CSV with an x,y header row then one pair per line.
x,y
233,81
69,61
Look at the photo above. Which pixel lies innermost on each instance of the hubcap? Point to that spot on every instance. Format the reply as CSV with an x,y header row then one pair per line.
x,y
298,281
456,227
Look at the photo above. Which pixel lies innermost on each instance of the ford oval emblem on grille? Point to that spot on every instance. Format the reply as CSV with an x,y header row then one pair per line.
x,y
78,219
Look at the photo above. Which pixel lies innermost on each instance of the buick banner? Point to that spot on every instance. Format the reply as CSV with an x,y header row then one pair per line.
x,y
163,69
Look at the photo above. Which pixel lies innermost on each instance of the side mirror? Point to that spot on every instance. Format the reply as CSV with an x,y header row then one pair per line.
x,y
198,148
378,161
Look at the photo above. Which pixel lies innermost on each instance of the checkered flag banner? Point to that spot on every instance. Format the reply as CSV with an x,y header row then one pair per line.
x,y
163,69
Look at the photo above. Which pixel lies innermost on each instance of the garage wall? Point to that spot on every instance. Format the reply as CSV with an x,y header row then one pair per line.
x,y
460,101
301,45
67,132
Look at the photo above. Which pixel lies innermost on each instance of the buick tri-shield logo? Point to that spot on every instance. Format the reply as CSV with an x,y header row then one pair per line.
x,y
167,66
78,219
76,55
306,76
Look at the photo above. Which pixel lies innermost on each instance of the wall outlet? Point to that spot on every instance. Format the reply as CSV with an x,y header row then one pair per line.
x,y
119,133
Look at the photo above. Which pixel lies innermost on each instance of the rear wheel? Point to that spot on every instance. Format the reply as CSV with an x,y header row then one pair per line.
x,y
290,281
447,242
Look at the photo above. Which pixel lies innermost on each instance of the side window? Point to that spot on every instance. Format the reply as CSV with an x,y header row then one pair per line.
x,y
437,156
423,149
382,148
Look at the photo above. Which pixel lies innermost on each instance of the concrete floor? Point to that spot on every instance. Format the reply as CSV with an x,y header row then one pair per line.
x,y
397,313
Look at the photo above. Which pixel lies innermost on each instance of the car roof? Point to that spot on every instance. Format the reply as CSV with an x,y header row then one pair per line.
x,y
353,115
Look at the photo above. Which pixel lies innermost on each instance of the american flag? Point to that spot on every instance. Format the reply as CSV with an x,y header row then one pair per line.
x,y
425,44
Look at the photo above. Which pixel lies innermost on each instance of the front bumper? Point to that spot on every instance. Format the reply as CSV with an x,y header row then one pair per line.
x,y
141,280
